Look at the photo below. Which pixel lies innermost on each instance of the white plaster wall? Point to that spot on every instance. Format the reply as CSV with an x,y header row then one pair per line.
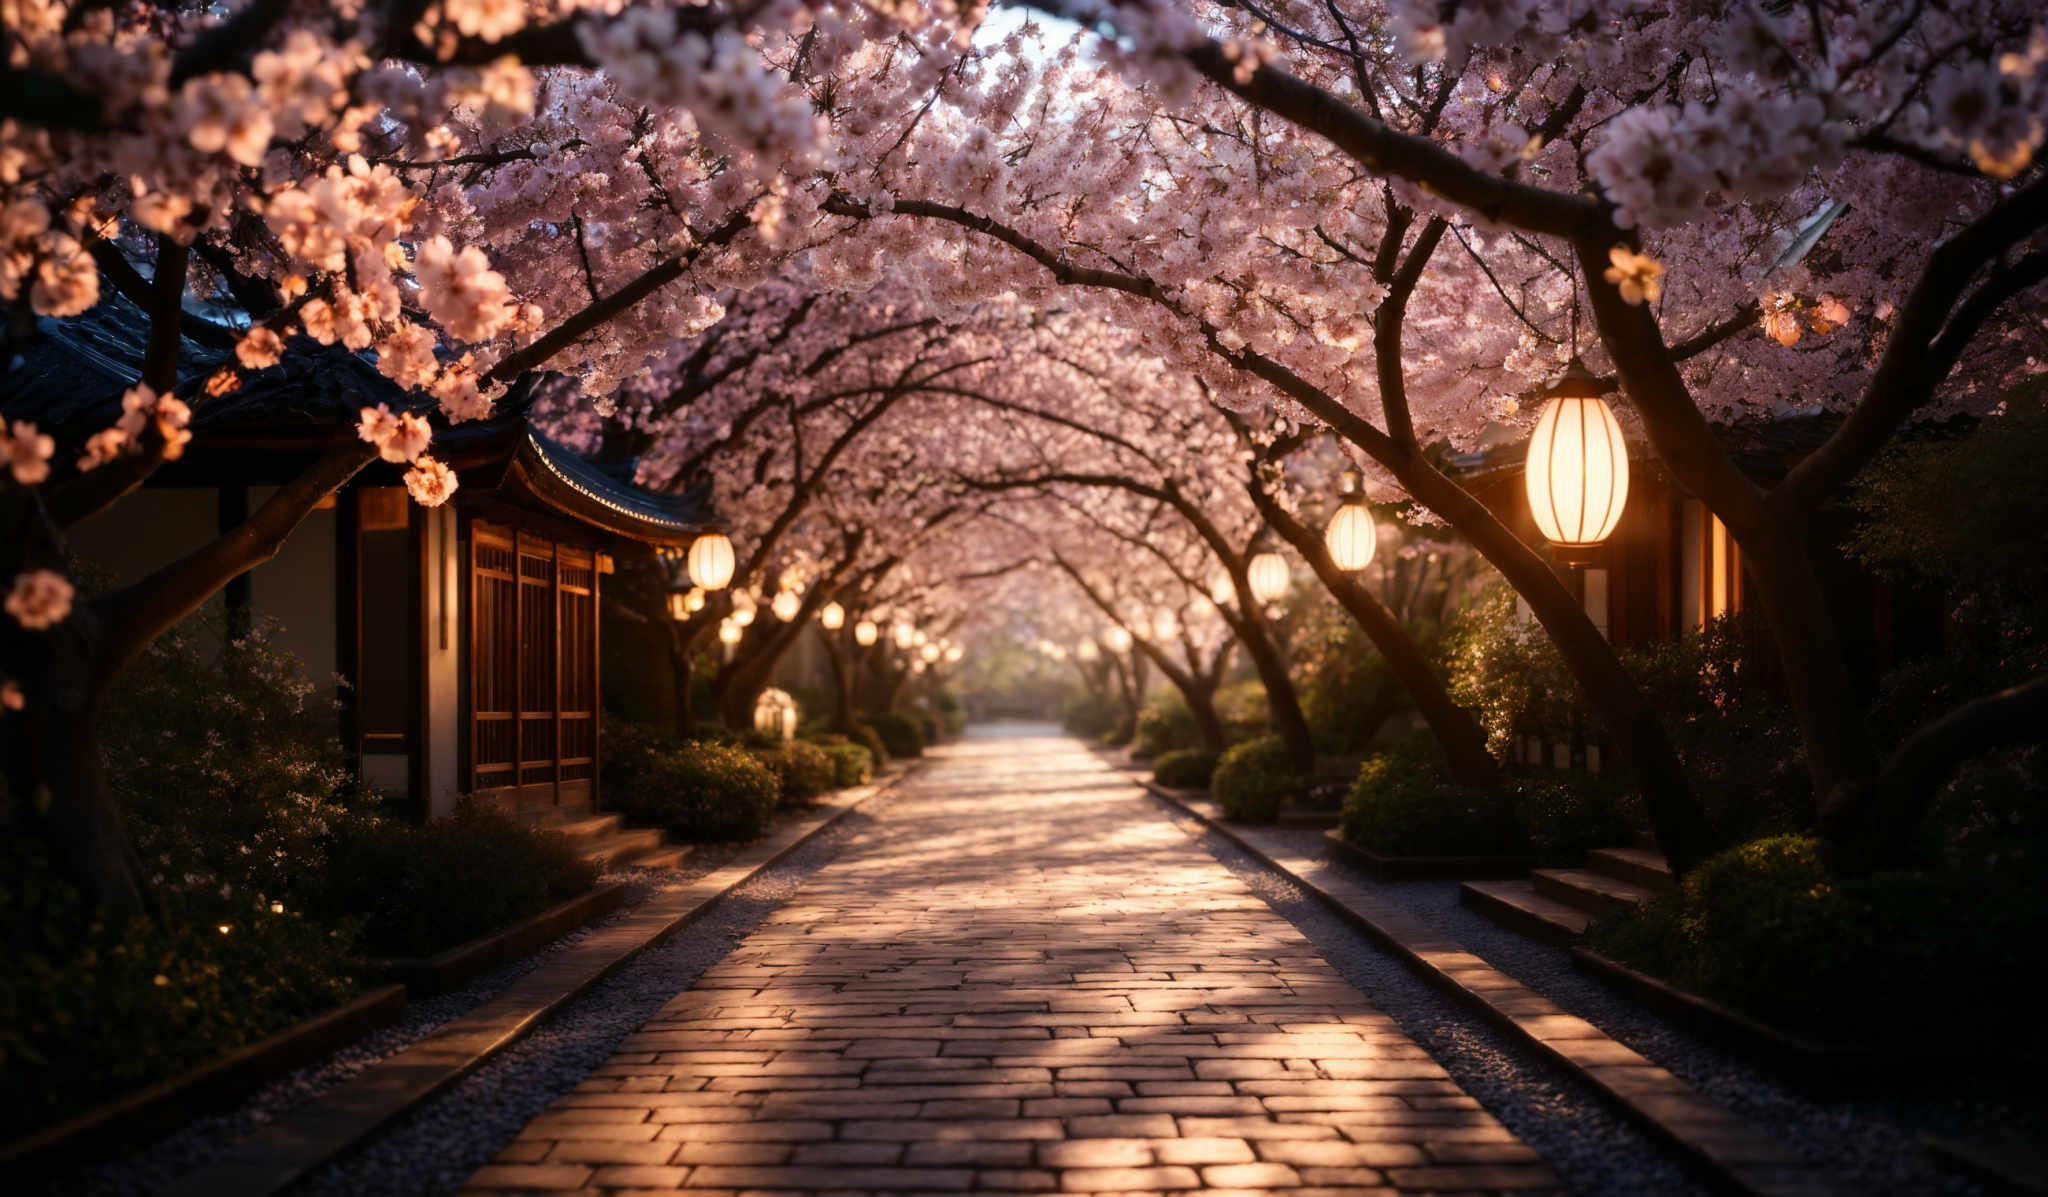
x,y
296,588
444,633
145,532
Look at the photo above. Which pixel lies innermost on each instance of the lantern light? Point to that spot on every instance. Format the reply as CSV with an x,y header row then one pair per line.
x,y
786,605
1118,638
833,617
1165,626
1221,588
1577,474
712,561
1352,536
742,610
1268,575
693,602
919,638
917,666
930,652
906,636
678,605
954,652
865,633
1088,651
730,632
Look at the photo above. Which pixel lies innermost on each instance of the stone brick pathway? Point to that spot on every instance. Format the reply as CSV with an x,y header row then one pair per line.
x,y
1024,979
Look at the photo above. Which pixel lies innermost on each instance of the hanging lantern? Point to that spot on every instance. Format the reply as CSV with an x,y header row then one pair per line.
x,y
678,606
954,652
1269,579
1165,626
786,605
1352,536
918,638
1118,638
742,610
865,633
833,617
729,633
1577,472
906,636
930,653
1221,588
693,602
711,561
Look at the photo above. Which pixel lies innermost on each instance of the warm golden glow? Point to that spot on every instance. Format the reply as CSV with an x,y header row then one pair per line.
x,y
906,636
1577,473
1352,536
786,605
866,633
730,632
1118,639
1268,576
712,561
833,617
930,652
678,605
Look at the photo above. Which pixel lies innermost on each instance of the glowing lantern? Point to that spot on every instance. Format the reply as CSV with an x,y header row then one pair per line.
x,y
919,638
786,605
833,617
866,633
1118,639
742,610
694,601
1268,577
1088,651
1165,626
711,561
906,636
729,633
930,653
954,652
775,713
1577,473
678,605
1352,536
1221,588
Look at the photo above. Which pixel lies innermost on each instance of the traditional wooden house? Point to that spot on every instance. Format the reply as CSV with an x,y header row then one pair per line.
x,y
459,644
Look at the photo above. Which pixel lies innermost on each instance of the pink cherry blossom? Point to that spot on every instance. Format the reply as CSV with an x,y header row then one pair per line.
x,y
41,599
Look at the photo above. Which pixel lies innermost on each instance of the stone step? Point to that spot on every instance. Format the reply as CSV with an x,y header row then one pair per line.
x,y
590,827
1637,866
668,856
555,816
1595,893
620,846
1517,906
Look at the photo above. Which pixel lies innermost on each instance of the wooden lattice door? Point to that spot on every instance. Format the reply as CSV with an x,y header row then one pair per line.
x,y
533,669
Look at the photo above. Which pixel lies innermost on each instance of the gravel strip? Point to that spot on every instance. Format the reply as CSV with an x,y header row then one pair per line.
x,y
435,1148
1590,1148
156,1165
1872,1139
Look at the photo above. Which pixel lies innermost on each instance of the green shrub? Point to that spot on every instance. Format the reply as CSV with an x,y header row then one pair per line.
x,y
1564,818
88,1011
1166,726
417,889
952,716
696,789
1766,928
714,733
852,764
1252,780
1185,768
1402,805
802,770
901,734
1091,716
870,739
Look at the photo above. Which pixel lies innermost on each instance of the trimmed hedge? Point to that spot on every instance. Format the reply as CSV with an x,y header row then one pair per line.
x,y
415,888
696,789
900,734
1185,768
1400,805
1167,726
1766,928
1253,779
852,764
802,770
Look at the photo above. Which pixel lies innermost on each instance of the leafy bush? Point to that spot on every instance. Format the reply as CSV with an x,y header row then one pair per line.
x,y
1562,819
852,764
417,891
1402,805
1252,780
1244,711
696,789
1091,715
1165,726
952,716
802,770
89,1011
1347,691
1185,768
1765,928
870,739
899,733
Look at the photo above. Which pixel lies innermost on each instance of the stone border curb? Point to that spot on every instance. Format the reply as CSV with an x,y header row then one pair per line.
x,y
309,1136
210,1086
1419,868
1733,1152
427,975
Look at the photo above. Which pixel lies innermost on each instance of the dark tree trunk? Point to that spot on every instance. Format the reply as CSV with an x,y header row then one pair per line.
x,y
1283,704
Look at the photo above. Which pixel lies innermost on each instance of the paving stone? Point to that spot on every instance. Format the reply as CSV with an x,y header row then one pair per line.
x,y
1072,997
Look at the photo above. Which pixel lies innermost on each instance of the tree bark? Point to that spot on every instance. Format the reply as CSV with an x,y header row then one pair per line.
x,y
1462,739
